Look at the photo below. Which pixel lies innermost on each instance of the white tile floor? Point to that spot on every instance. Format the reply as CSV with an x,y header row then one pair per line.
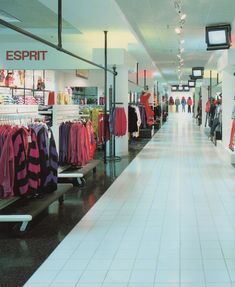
x,y
167,221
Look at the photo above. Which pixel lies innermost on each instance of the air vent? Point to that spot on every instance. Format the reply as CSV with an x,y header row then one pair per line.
x,y
8,17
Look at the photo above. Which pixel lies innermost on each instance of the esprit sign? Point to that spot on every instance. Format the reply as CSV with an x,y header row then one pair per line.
x,y
26,55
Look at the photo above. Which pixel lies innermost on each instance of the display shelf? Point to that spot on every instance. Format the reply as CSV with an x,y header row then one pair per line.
x,y
24,89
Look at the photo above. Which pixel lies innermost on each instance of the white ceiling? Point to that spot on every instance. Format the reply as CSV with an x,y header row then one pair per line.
x,y
145,28
155,21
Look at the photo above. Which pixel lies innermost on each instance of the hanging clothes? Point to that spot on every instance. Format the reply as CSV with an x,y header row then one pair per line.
x,y
118,121
157,112
24,171
143,117
144,100
7,163
48,158
132,120
103,133
77,143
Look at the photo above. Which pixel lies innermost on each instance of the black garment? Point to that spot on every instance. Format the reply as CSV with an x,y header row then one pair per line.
x,y
63,142
212,111
132,120
20,162
214,126
157,112
189,109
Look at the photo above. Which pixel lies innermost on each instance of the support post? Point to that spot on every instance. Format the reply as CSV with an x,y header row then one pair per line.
x,y
59,24
114,105
105,95
210,83
137,73
145,79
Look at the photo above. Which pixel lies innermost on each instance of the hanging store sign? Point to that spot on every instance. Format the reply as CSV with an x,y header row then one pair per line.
x,y
26,55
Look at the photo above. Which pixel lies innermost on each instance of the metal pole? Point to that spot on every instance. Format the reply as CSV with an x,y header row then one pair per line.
x,y
144,79
105,95
59,24
137,73
210,83
41,40
114,105
110,111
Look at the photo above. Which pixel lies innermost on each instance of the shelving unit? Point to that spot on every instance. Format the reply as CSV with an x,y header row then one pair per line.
x,y
86,93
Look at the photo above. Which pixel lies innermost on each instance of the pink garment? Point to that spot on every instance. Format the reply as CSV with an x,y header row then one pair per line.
x,y
7,170
208,105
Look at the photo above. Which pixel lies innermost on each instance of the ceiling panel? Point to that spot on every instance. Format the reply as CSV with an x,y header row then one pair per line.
x,y
155,21
32,14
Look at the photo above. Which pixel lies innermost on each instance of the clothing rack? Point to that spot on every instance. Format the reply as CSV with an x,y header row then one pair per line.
x,y
16,112
112,105
59,47
62,113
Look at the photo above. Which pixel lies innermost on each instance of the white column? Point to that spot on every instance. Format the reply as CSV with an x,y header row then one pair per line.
x,y
196,91
122,96
204,100
228,92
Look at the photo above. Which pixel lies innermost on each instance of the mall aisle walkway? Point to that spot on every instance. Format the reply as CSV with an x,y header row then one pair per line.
x,y
167,221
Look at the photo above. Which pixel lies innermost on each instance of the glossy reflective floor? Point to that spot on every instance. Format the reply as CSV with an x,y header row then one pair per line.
x,y
21,256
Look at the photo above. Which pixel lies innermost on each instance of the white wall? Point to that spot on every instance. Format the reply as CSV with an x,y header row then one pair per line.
x,y
228,90
204,100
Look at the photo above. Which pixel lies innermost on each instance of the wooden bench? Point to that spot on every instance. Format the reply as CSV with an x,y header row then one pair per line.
x,y
33,207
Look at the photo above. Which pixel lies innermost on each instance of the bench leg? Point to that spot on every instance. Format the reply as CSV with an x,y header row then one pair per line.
x,y
61,199
79,180
23,226
94,170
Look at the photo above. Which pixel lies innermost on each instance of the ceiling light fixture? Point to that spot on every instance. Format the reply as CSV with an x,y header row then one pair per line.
x,y
183,16
178,30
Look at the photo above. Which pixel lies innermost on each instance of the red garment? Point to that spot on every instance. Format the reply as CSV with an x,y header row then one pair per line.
x,y
208,105
232,135
120,122
100,134
189,102
7,167
91,139
81,143
144,100
51,99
